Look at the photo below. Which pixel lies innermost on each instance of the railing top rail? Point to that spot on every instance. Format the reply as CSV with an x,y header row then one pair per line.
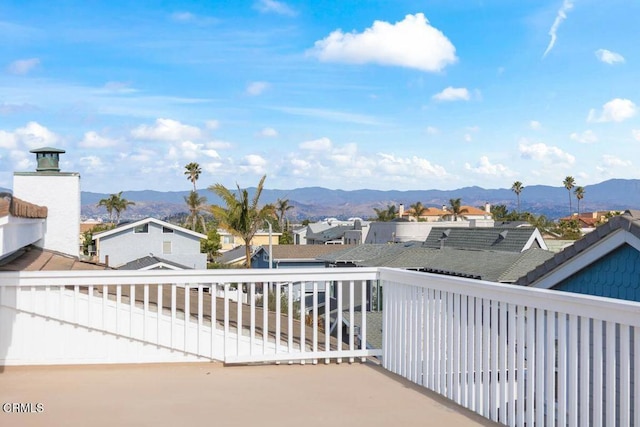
x,y
113,277
609,309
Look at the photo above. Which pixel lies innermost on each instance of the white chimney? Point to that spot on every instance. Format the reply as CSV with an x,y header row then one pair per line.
x,y
60,193
401,210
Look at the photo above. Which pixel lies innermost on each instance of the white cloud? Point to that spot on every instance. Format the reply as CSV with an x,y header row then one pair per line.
x,y
166,130
92,163
321,144
545,153
616,110
183,16
254,163
338,116
419,167
93,140
485,167
586,137
34,135
273,6
212,124
567,5
453,94
468,137
535,125
636,134
613,161
119,87
7,140
257,88
268,132
218,145
609,57
190,150
411,43
23,66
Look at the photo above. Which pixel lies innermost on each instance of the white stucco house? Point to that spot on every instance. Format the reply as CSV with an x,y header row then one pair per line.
x,y
150,237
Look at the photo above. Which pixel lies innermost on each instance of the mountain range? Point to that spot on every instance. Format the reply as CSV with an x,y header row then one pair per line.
x,y
317,202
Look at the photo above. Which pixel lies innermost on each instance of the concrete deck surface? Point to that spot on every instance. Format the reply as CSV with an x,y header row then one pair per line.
x,y
211,394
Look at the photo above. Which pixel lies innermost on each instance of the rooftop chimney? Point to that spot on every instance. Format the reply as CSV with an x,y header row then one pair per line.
x,y
401,210
48,159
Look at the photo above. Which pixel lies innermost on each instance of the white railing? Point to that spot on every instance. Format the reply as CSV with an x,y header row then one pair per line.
x,y
190,313
519,356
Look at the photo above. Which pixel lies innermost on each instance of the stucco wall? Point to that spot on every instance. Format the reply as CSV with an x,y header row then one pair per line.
x,y
60,193
127,246
16,233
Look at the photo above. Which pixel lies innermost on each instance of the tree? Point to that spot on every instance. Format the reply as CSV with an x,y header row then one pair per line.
x,y
282,206
456,208
387,214
517,188
193,171
569,183
417,210
579,192
211,245
196,205
115,204
121,205
241,215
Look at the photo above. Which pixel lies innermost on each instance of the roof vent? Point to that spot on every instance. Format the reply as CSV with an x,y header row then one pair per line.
x,y
503,234
48,159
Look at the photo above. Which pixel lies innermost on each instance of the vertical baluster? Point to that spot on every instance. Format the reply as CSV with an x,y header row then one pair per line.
x,y
200,317
132,302
495,397
252,314
478,356
521,364
531,365
511,362
450,343
105,293
278,316
610,387
315,319
540,394
438,341
225,347
290,319
303,318
408,356
239,317
471,340
625,377
487,376
352,318
265,316
426,340
145,308
76,293
598,377
118,300
339,319
584,372
187,314
213,291
173,313
636,376
464,351
89,307
363,322
456,348
572,363
550,376
327,320
159,305
562,369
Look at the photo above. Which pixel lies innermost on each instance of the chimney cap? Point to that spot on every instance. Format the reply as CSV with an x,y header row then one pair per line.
x,y
48,159
47,150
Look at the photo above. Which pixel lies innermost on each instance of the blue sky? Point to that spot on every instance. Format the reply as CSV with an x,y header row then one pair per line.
x,y
339,94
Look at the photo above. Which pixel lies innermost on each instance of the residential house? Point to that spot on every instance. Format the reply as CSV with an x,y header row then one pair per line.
x,y
588,221
230,241
428,214
605,262
150,237
501,239
332,231
294,256
468,213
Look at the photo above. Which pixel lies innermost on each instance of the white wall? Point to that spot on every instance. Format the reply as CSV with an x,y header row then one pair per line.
x,y
60,193
16,233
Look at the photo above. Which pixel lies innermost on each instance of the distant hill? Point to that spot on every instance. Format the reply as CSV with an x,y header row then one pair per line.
x,y
318,202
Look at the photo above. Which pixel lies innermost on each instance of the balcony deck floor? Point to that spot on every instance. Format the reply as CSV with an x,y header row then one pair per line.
x,y
212,394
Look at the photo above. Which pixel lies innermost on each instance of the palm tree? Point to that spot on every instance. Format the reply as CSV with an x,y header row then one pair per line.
x,y
115,204
417,210
120,205
282,206
569,183
196,204
579,192
193,171
517,188
241,215
456,208
387,214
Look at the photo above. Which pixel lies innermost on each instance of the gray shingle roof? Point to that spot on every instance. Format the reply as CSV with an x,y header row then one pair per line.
x,y
629,222
332,233
492,238
149,261
365,252
374,326
478,264
312,252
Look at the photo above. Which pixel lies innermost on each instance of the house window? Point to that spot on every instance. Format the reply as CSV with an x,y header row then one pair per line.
x,y
227,240
265,257
144,228
166,247
167,229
